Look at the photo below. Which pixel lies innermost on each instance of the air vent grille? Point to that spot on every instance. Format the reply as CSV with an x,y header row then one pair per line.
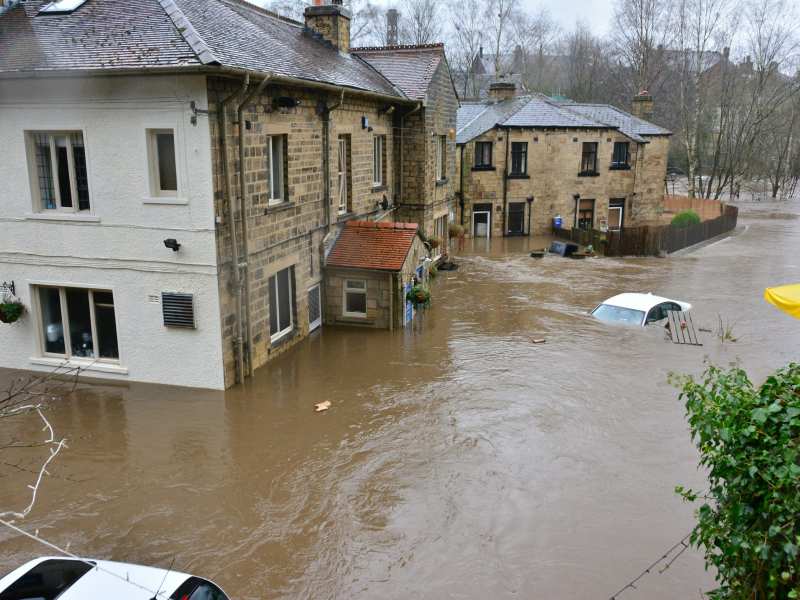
x,y
178,309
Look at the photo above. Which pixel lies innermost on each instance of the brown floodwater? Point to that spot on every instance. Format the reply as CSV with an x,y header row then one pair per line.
x,y
458,460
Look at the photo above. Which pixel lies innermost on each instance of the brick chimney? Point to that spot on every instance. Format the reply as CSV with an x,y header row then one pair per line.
x,y
643,105
392,29
331,20
502,90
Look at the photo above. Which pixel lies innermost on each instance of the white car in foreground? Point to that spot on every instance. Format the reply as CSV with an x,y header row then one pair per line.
x,y
73,579
636,309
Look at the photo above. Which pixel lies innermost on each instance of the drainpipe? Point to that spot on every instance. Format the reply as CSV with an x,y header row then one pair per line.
x,y
530,211
402,147
223,122
461,185
505,180
392,292
243,211
326,157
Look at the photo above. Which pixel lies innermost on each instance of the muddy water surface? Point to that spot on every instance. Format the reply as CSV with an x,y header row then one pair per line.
x,y
459,460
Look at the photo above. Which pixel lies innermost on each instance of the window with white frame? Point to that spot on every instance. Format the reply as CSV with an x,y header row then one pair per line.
x,y
355,298
62,181
276,148
378,160
441,158
162,162
343,174
281,304
78,323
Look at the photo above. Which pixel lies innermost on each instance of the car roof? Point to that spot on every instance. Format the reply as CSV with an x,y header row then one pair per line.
x,y
635,301
120,581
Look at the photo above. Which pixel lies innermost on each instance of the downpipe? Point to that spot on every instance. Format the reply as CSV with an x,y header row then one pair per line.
x,y
245,264
224,125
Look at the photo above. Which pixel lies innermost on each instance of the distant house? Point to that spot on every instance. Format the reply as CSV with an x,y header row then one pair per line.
x,y
525,161
181,170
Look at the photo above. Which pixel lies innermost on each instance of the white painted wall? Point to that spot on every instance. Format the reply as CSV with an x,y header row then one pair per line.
x,y
119,245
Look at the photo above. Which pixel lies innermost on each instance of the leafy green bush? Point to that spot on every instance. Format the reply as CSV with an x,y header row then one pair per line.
x,y
748,524
686,218
10,312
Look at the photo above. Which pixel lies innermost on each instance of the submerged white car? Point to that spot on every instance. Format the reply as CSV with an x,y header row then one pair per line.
x,y
72,579
636,309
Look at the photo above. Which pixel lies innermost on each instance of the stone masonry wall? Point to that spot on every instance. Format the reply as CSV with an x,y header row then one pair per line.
x,y
289,234
424,199
553,180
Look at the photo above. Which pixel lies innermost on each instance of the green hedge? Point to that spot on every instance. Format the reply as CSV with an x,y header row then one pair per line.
x,y
687,218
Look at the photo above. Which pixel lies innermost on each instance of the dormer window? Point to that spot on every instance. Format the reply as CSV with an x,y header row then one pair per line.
x,y
61,7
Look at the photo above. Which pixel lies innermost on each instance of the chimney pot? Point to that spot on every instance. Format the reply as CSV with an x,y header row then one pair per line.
x,y
502,90
331,21
643,105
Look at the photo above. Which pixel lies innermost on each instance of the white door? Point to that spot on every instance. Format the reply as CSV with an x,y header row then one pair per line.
x,y
481,223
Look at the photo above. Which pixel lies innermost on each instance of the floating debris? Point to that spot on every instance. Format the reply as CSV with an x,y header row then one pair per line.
x,y
322,406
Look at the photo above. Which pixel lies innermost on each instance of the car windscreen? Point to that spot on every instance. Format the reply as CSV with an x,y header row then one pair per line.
x,y
46,581
618,314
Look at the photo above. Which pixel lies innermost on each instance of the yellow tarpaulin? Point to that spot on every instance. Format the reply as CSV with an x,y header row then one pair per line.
x,y
785,297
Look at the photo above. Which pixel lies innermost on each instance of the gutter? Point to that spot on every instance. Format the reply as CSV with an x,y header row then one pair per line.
x,y
326,157
461,185
245,265
505,179
209,70
222,118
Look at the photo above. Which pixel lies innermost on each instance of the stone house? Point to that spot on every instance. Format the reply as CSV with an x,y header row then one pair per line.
x,y
525,160
370,270
426,146
174,191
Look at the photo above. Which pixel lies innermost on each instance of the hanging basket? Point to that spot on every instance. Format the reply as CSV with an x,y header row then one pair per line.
x,y
419,296
10,312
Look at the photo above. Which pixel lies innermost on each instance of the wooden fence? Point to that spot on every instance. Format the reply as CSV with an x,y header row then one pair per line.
x,y
654,240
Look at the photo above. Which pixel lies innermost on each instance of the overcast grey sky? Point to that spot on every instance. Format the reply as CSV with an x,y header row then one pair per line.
x,y
595,13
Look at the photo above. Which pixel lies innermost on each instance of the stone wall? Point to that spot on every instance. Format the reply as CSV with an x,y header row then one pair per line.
x,y
553,180
378,298
289,234
425,198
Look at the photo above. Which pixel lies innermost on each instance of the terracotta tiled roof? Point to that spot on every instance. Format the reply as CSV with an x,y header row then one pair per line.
x,y
373,246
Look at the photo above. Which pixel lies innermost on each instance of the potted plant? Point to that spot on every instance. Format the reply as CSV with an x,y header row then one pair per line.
x,y
434,243
11,310
419,296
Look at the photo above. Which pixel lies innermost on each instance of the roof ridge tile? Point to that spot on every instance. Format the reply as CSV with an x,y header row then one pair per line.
x,y
188,32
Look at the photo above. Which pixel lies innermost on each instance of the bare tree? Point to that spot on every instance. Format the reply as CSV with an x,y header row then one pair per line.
x,y
499,24
465,42
698,25
28,396
642,32
535,36
586,65
421,22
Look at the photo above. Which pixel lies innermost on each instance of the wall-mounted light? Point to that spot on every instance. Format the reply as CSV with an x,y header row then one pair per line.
x,y
172,244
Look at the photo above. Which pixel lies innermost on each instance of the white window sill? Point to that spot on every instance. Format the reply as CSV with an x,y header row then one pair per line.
x,y
354,315
84,365
62,216
169,200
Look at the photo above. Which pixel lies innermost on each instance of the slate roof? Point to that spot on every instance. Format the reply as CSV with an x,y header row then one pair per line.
x,y
373,245
142,34
634,127
539,111
410,68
